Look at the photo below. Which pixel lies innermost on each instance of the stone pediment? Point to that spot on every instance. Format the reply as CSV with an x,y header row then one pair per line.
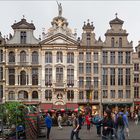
x,y
59,39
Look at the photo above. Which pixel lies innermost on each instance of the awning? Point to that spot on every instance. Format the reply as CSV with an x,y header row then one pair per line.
x,y
138,102
31,103
45,106
58,106
71,105
109,104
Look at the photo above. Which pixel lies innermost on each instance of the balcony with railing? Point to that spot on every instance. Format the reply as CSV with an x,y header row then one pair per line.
x,y
23,63
89,87
59,84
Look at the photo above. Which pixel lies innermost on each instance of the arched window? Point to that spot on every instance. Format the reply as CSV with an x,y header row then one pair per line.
x,y
34,95
22,56
120,42
11,57
11,95
23,94
1,55
48,94
35,57
112,42
22,78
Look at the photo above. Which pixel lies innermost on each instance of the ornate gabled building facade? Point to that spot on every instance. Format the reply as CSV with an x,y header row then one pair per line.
x,y
117,67
136,77
59,66
63,71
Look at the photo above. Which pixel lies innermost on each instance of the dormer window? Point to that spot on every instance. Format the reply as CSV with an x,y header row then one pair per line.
x,y
120,42
88,39
139,54
23,37
112,42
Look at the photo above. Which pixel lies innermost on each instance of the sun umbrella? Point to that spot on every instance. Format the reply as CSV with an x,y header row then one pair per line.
x,y
62,110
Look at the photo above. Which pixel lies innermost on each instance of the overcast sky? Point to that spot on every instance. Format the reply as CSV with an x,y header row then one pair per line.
x,y
76,12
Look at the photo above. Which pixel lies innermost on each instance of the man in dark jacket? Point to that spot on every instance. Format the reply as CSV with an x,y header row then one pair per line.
x,y
48,122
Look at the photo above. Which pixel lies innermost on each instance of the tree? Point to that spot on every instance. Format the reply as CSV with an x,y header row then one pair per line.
x,y
13,113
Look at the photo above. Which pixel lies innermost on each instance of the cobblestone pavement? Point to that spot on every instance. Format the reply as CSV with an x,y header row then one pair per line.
x,y
64,134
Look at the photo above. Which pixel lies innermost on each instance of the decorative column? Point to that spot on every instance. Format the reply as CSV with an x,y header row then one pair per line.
x,y
16,76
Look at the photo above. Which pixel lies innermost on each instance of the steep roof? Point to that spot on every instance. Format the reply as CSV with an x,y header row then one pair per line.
x,y
116,21
23,24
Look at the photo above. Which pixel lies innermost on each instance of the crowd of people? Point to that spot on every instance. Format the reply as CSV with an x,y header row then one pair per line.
x,y
111,125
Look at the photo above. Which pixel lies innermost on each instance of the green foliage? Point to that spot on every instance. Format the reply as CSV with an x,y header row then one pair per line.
x,y
13,113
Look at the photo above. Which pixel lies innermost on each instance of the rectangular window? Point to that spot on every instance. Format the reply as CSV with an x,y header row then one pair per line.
x,y
95,56
112,76
96,94
1,73
34,76
136,78
136,67
136,92
81,82
11,76
81,56
105,95
127,57
81,68
59,57
22,37
59,75
95,82
1,55
105,57
70,57
120,94
127,77
70,76
120,76
88,82
112,94
104,76
128,94
81,95
95,68
48,76
112,57
88,56
120,57
1,92
48,57
88,68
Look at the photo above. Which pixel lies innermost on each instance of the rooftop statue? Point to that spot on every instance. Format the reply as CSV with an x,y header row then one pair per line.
x,y
59,9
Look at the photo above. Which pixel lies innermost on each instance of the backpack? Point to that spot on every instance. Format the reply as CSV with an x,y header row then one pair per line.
x,y
120,121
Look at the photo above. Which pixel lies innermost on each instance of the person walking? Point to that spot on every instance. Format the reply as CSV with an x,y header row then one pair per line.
x,y
120,127
88,121
59,120
75,124
107,124
136,118
97,119
48,122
